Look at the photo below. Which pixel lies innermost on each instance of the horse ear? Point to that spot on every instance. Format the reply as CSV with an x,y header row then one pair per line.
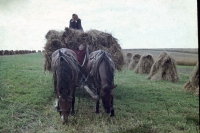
x,y
113,87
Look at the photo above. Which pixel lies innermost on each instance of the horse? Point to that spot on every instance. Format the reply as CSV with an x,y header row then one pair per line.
x,y
100,69
65,75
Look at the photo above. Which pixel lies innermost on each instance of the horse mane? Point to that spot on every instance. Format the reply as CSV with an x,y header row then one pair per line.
x,y
64,78
109,70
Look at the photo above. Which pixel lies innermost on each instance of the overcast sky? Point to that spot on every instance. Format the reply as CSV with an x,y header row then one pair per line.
x,y
135,23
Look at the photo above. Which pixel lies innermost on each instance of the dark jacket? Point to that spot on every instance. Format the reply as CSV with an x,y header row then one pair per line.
x,y
75,24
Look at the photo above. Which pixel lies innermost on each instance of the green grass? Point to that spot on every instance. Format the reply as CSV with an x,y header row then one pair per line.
x,y
141,105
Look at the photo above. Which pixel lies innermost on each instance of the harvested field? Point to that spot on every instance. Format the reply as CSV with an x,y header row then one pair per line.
x,y
141,105
181,56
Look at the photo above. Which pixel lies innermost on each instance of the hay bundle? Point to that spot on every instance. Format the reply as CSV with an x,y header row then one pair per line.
x,y
144,64
134,61
93,38
193,84
50,47
1,52
53,34
128,58
164,68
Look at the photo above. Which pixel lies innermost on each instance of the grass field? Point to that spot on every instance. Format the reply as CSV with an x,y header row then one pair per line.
x,y
141,105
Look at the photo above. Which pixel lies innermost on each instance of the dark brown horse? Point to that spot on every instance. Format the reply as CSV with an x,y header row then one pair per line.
x,y
101,69
65,75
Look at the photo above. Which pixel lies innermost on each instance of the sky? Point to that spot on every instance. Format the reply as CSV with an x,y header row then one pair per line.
x,y
135,23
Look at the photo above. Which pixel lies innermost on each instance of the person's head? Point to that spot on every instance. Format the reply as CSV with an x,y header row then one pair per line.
x,y
74,16
81,47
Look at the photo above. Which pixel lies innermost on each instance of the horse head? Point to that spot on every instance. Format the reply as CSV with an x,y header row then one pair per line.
x,y
107,97
64,107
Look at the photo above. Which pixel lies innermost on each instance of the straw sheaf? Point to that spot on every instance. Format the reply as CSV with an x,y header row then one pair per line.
x,y
134,61
128,58
193,84
93,38
164,69
144,64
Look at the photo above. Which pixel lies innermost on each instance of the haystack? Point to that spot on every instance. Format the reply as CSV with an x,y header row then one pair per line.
x,y
164,69
93,38
134,61
193,84
128,58
144,64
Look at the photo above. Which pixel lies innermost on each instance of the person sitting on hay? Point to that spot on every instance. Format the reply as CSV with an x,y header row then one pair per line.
x,y
80,52
75,22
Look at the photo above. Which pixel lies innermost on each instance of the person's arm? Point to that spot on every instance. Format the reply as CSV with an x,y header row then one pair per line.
x,y
79,25
70,25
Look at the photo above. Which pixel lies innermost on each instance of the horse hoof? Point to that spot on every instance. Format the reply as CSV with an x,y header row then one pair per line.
x,y
112,115
97,112
73,113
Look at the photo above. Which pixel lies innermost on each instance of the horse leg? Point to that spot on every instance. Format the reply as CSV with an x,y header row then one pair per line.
x,y
55,82
97,106
112,111
97,103
73,102
55,85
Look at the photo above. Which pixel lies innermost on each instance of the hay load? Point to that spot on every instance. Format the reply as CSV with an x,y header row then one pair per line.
x,y
134,61
193,84
93,38
164,69
128,58
144,64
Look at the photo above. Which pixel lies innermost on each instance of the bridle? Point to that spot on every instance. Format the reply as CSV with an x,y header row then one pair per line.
x,y
60,110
